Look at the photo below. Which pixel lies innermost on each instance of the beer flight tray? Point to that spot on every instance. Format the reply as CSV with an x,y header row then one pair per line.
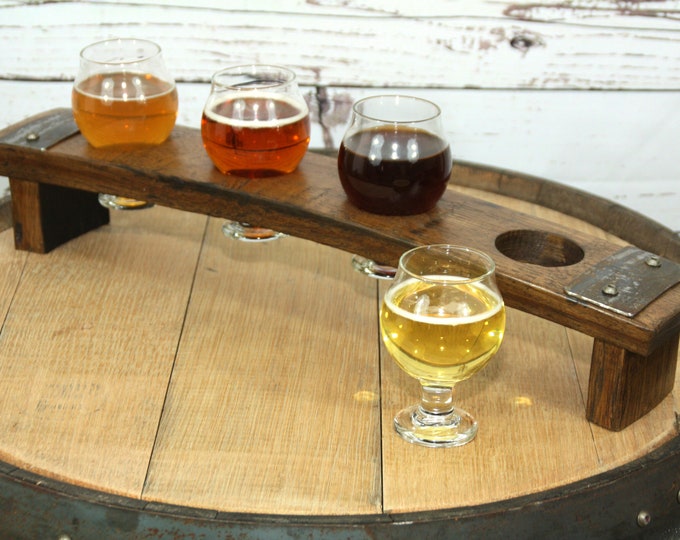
x,y
626,298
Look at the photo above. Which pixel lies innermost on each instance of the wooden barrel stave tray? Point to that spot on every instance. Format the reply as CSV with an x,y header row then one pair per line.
x,y
634,356
126,353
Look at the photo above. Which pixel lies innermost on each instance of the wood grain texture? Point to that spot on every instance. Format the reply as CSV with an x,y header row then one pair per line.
x,y
510,75
274,400
640,436
91,419
12,263
495,46
634,384
98,402
40,226
88,348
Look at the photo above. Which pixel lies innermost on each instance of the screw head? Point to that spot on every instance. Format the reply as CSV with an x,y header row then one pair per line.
x,y
654,261
610,290
643,518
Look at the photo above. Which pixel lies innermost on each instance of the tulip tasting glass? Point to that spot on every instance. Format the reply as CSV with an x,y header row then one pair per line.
x,y
442,319
393,160
123,94
255,124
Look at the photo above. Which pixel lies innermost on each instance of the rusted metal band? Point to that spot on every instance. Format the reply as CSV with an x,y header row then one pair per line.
x,y
626,282
42,132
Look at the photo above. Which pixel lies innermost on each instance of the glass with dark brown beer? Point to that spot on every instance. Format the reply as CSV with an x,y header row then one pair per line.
x,y
123,94
393,160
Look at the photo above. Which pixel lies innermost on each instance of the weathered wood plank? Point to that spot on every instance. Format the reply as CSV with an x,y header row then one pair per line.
x,y
311,205
652,13
445,51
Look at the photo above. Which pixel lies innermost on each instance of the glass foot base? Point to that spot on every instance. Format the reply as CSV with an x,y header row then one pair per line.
x,y
417,426
122,203
247,233
371,268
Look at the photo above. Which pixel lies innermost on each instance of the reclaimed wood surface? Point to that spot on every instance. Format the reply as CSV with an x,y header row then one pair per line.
x,y
451,44
163,362
585,93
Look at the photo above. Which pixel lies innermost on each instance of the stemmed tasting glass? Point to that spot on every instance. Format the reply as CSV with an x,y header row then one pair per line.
x,y
393,160
255,124
124,94
442,319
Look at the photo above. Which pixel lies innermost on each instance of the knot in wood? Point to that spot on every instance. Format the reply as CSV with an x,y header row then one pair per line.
x,y
522,43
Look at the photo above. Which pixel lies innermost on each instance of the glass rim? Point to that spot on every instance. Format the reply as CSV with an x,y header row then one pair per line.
x,y
490,264
156,51
437,110
252,69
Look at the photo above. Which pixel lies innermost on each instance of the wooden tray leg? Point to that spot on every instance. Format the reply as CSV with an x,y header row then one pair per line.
x,y
46,216
625,386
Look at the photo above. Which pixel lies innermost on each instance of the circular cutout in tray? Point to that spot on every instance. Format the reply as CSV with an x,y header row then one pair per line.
x,y
539,247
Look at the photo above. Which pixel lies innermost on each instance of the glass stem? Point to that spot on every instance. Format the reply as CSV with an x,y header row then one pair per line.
x,y
437,400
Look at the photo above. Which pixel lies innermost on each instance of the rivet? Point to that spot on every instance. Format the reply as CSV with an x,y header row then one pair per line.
x,y
64,537
643,518
610,290
653,261
32,136
678,496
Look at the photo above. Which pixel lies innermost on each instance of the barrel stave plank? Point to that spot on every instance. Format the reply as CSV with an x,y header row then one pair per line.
x,y
88,347
310,205
274,401
616,448
11,269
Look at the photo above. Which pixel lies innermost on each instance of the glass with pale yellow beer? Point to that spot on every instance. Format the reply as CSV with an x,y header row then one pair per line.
x,y
442,320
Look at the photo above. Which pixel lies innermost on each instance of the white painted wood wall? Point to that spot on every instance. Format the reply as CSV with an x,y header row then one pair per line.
x,y
584,92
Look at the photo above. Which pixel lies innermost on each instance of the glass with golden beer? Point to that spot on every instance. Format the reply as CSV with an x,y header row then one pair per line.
x,y
123,94
442,320
255,124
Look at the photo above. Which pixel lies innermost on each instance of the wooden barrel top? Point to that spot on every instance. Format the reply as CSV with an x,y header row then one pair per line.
x,y
156,360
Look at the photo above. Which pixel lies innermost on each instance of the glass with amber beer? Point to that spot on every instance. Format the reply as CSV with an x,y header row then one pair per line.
x,y
123,94
255,124
442,320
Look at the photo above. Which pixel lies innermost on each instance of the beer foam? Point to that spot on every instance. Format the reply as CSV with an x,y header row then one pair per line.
x,y
133,86
299,105
456,315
